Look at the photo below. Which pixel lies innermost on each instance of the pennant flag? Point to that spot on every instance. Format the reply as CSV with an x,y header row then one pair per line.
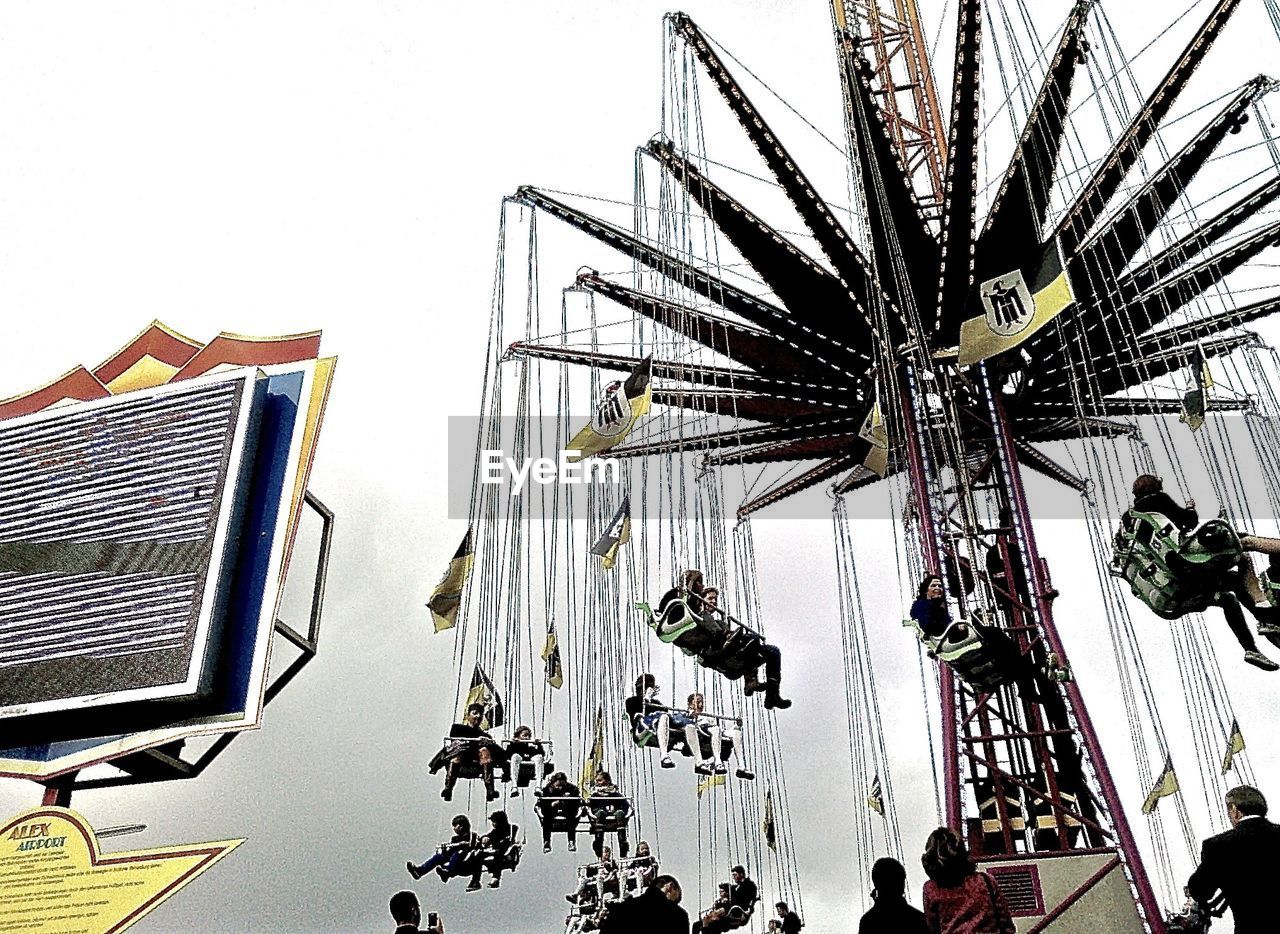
x,y
770,825
1166,784
873,431
595,759
711,781
1235,746
1015,309
623,404
447,596
551,655
483,692
875,800
617,534
1195,403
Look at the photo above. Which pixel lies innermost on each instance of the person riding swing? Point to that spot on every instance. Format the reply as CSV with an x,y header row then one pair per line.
x,y
689,617
1223,576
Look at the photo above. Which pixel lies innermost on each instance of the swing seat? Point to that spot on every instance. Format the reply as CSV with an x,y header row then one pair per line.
x,y
465,865
509,858
1270,588
739,654
675,621
1171,573
739,917
559,815
527,775
468,766
983,656
608,815
646,736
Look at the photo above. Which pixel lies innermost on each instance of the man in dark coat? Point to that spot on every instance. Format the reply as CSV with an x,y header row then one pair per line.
x,y
790,921
656,911
1242,863
891,914
742,900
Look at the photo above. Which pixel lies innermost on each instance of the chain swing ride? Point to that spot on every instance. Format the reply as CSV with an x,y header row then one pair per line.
x,y
1086,328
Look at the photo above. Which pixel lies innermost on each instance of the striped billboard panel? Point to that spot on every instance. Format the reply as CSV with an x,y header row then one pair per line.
x,y
119,525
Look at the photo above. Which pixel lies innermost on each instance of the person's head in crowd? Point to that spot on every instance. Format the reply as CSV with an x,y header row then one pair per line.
x,y
670,887
945,860
888,878
1245,801
405,909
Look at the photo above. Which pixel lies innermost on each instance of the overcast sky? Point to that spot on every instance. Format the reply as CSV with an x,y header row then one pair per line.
x,y
273,167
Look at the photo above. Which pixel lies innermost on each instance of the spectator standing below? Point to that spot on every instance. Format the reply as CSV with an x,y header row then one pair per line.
x,y
891,914
406,912
656,911
1242,863
788,921
957,898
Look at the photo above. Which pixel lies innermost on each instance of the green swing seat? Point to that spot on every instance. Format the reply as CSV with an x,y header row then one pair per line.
x,y
733,655
985,657
1172,573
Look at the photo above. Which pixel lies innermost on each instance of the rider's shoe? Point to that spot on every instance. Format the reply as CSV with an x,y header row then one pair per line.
x,y
1258,660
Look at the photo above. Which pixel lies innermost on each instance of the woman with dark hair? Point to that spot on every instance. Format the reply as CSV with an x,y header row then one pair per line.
x,y
930,608
957,898
494,847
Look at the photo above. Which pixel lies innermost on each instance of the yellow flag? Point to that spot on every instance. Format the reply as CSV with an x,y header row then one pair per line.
x,y
616,535
596,758
483,692
447,597
623,405
873,431
1166,784
711,781
1016,308
55,879
770,824
1235,746
1196,402
875,800
551,655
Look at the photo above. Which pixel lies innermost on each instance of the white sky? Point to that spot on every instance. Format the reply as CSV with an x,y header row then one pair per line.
x,y
276,167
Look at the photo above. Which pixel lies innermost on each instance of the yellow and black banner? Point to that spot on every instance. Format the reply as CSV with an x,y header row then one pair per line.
x,y
1015,308
1235,746
447,597
615,536
483,692
1196,402
551,656
770,824
622,405
874,432
1166,784
595,759
875,800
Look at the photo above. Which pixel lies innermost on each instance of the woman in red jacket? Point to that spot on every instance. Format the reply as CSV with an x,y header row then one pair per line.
x,y
957,898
